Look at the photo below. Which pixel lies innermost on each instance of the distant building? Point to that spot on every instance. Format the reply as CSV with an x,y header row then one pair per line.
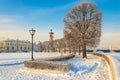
x,y
15,45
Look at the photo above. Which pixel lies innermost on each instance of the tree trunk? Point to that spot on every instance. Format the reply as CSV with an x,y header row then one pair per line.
x,y
74,51
79,50
59,50
84,51
48,49
69,49
64,50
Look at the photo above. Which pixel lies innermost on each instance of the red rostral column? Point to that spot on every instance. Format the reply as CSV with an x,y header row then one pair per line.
x,y
51,39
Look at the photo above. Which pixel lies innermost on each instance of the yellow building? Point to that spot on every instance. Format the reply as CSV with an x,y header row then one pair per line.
x,y
14,46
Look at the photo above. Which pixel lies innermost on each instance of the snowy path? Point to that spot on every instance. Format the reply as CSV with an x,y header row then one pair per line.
x,y
12,68
115,57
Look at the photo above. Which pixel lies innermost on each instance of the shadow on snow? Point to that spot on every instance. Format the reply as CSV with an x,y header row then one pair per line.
x,y
85,68
12,64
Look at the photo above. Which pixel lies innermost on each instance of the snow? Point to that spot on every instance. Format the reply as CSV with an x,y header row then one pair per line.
x,y
92,68
115,57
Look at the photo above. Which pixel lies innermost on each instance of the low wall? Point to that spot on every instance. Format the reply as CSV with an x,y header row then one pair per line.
x,y
110,63
53,63
60,58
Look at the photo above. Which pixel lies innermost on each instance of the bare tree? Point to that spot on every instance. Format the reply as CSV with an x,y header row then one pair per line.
x,y
70,39
63,45
40,47
84,23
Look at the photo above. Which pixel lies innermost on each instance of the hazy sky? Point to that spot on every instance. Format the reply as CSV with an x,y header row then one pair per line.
x,y
18,16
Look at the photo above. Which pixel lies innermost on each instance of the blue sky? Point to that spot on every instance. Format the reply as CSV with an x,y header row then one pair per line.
x,y
18,16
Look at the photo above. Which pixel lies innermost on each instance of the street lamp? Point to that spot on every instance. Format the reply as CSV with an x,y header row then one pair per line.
x,y
32,32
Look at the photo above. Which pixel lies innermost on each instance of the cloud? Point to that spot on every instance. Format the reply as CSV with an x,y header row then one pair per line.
x,y
14,35
44,11
7,19
110,40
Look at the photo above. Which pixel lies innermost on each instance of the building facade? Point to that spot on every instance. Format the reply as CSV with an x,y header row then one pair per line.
x,y
14,46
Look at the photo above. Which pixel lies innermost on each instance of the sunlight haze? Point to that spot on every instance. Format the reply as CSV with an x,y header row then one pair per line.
x,y
18,16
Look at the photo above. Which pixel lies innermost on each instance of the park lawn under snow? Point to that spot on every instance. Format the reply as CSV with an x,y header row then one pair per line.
x,y
12,68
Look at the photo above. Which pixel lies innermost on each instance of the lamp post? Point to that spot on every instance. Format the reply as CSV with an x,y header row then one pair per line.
x,y
32,32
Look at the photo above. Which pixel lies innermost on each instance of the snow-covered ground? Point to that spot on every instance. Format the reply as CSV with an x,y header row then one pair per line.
x,y
115,57
12,68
